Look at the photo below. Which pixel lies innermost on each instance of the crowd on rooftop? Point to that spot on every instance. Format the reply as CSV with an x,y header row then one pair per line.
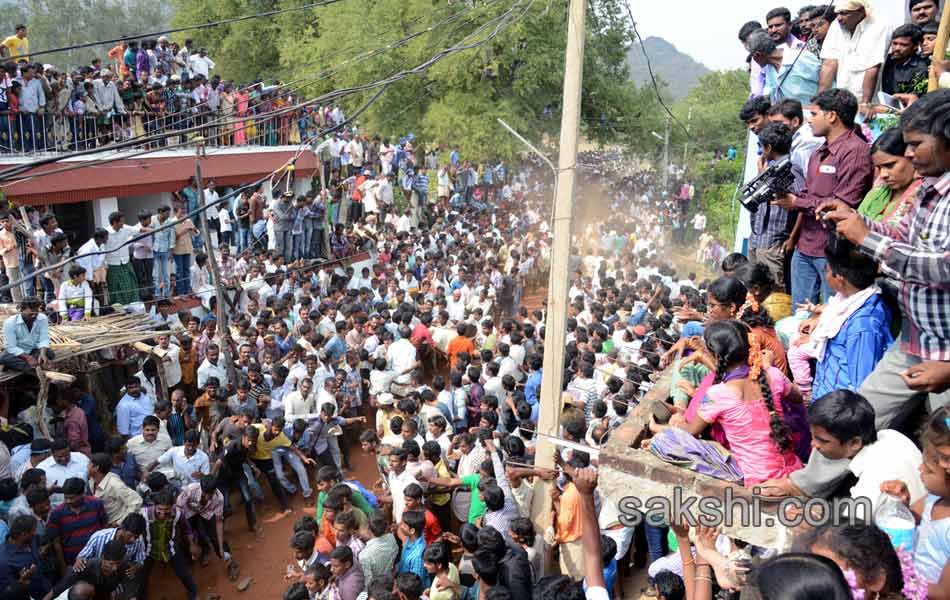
x,y
388,314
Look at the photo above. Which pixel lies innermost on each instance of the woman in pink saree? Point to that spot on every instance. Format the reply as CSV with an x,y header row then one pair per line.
x,y
240,103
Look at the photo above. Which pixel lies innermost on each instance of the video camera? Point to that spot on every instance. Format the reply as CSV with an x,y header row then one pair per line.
x,y
775,181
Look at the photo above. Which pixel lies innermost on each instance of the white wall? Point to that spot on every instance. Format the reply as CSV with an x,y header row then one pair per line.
x,y
102,208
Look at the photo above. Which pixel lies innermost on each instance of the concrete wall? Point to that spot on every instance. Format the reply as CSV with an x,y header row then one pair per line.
x,y
132,205
102,208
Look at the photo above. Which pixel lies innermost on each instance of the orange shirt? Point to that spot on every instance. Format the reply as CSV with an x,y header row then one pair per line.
x,y
459,344
568,527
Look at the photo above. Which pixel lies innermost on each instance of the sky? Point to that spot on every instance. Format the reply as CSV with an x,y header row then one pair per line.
x,y
709,30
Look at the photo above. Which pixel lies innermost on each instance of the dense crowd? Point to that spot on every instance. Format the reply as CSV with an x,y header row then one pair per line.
x,y
387,314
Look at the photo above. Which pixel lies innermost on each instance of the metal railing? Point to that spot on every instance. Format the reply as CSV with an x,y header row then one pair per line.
x,y
26,134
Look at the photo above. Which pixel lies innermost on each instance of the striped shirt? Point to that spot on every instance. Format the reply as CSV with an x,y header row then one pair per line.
x,y
190,503
916,254
134,552
75,528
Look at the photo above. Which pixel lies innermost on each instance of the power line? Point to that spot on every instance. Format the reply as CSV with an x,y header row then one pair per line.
x,y
503,21
500,22
153,34
656,88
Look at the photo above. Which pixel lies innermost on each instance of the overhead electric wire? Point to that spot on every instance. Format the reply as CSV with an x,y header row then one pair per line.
x,y
154,34
20,169
502,23
656,87
292,86
205,205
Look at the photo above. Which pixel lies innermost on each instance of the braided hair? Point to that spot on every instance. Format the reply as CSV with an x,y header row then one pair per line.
x,y
731,343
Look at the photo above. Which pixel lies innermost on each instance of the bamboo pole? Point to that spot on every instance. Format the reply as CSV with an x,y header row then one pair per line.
x,y
940,47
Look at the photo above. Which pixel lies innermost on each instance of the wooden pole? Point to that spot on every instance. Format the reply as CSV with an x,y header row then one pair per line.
x,y
940,47
558,279
206,235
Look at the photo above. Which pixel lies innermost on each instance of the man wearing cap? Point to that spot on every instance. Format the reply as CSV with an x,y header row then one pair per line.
x,y
854,51
282,216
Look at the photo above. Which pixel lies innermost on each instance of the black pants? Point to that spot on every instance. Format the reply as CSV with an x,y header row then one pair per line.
x,y
226,485
207,532
143,274
267,467
182,571
15,363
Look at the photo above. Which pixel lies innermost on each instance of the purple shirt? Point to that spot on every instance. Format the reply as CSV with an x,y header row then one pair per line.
x,y
142,62
841,170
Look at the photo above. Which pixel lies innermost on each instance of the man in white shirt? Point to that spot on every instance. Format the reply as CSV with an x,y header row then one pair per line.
x,y
63,465
120,275
200,64
93,263
213,366
188,462
171,360
401,358
147,447
455,306
299,404
853,52
399,479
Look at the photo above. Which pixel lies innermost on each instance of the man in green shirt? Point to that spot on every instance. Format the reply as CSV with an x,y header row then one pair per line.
x,y
477,508
327,477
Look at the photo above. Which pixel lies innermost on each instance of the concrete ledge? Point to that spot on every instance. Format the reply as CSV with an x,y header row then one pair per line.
x,y
626,471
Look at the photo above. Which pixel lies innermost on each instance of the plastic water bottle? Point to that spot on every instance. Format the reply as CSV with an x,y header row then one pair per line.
x,y
897,521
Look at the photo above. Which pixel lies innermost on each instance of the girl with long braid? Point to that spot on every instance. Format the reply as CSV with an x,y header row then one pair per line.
x,y
746,401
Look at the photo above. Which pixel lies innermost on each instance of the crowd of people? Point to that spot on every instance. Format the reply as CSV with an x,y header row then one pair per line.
x,y
143,89
394,323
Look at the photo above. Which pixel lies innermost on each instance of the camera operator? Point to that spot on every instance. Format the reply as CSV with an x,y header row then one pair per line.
x,y
841,169
771,225
916,255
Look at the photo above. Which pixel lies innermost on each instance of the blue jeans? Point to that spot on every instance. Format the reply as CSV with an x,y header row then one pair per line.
x,y
808,279
160,275
243,238
279,455
283,242
182,274
26,270
298,245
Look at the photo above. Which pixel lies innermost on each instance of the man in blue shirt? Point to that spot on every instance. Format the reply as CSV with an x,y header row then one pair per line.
x,y
411,531
26,338
532,387
134,406
853,331
20,557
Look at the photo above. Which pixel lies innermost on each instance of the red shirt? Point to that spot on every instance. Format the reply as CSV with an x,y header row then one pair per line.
x,y
433,529
421,336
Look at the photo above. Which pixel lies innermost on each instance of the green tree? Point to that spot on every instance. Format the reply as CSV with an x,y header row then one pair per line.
x,y
61,23
517,76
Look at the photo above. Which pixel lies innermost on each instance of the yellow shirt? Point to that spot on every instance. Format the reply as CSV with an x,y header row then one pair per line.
x,y
442,472
265,447
118,499
17,47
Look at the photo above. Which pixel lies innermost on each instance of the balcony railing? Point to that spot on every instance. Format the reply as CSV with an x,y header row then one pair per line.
x,y
24,134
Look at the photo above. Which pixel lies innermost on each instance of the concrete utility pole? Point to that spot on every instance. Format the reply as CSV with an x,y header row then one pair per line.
x,y
555,327
689,119
666,159
206,235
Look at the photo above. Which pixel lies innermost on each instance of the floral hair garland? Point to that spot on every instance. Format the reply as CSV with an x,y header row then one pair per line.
x,y
915,588
755,346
